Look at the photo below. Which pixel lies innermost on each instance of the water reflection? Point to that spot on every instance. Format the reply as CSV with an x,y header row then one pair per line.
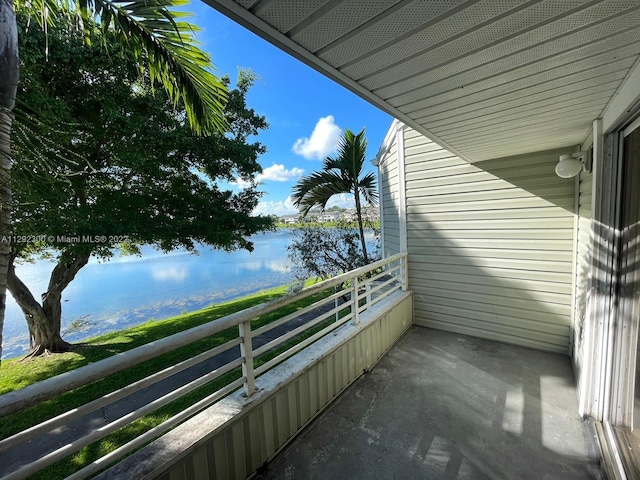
x,y
275,265
169,274
127,291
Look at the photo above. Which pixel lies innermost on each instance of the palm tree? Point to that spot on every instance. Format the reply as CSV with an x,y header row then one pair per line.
x,y
157,38
340,174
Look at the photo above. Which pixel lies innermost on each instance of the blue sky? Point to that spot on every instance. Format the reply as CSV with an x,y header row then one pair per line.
x,y
306,111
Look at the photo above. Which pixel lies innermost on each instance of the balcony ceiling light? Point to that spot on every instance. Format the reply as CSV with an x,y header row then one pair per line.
x,y
570,165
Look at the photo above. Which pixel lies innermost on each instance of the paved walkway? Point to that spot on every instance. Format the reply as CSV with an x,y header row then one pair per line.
x,y
14,458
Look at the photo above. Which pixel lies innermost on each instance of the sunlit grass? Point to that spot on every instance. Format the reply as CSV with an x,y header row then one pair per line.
x,y
17,374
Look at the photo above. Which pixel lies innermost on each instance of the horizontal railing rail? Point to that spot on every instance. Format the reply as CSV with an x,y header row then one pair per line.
x,y
105,400
355,292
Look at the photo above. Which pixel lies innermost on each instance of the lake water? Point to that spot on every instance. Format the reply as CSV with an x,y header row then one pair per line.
x,y
130,290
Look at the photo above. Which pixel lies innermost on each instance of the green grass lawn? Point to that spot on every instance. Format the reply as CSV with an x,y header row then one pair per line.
x,y
15,374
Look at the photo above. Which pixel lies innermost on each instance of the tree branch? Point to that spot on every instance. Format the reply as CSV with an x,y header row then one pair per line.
x,y
64,273
32,310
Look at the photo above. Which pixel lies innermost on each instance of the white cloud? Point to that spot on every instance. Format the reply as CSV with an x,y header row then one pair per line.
x,y
276,208
342,200
323,140
276,173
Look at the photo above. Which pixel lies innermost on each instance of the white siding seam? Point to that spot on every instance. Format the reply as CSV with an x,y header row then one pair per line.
x,y
574,270
387,143
587,383
402,189
389,193
381,206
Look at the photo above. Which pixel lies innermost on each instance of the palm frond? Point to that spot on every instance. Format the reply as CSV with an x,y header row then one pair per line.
x,y
150,30
339,174
352,153
368,189
316,189
34,144
43,11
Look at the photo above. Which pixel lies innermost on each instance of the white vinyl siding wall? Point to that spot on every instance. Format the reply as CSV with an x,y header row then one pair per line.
x,y
490,245
390,198
583,258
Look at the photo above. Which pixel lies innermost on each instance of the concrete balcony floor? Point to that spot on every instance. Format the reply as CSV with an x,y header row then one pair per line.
x,y
443,405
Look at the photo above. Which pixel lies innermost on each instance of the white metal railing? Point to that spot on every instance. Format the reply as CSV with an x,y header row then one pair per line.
x,y
361,288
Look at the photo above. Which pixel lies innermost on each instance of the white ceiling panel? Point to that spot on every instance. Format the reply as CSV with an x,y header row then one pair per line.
x,y
529,79
337,22
523,116
483,78
531,123
247,3
429,37
402,20
508,56
584,81
480,45
514,135
522,107
283,15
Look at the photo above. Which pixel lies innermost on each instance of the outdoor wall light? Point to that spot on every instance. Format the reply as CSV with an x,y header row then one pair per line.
x,y
570,165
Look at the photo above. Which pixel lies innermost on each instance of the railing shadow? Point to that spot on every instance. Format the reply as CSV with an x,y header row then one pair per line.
x,y
446,406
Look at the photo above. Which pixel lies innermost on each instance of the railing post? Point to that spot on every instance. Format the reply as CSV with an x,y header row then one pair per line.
x,y
405,273
246,352
356,301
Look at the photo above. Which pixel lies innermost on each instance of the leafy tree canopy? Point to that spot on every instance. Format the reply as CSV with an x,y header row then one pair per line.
x,y
116,160
326,252
156,35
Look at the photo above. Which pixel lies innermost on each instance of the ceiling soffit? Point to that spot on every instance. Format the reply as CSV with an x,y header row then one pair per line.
x,y
484,78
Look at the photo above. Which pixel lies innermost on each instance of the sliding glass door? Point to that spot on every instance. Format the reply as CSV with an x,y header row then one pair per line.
x,y
625,402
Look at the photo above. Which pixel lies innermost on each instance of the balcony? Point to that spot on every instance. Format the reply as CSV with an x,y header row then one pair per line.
x,y
442,405
437,405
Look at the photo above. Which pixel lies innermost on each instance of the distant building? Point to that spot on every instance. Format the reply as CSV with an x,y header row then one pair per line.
x,y
289,219
349,215
368,213
329,217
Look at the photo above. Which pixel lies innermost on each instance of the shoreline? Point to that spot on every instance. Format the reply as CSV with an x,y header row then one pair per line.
x,y
94,338
15,374
111,295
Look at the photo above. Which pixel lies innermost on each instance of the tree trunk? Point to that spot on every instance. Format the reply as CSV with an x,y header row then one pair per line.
x,y
360,226
44,321
9,75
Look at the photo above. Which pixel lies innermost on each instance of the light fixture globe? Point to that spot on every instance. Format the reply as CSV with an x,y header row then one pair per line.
x,y
568,166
